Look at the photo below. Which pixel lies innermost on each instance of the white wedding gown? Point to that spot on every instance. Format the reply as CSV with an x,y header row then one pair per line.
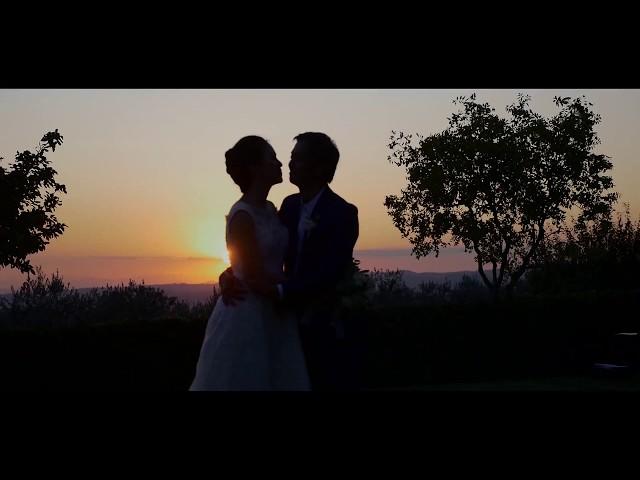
x,y
251,345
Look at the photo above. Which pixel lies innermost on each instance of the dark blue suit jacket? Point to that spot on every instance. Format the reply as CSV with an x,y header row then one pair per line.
x,y
327,251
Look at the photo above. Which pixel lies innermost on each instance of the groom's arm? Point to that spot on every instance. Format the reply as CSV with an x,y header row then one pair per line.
x,y
335,257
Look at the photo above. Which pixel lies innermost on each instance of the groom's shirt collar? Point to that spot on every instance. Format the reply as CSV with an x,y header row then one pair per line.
x,y
308,207
305,214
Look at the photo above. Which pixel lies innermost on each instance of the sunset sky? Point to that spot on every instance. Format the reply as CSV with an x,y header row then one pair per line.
x,y
148,192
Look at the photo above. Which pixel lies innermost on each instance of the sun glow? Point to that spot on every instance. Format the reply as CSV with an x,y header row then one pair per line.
x,y
207,239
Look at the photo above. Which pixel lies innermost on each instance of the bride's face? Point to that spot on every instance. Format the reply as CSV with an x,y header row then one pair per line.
x,y
270,170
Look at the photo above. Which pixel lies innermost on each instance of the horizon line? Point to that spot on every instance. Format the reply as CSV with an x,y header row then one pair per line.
x,y
392,251
7,290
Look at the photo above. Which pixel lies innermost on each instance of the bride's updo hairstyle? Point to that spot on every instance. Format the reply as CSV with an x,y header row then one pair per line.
x,y
249,151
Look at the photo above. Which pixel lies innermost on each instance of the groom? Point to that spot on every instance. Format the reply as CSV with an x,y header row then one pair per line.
x,y
323,229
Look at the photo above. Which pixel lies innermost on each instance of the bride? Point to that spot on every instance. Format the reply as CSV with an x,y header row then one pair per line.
x,y
253,345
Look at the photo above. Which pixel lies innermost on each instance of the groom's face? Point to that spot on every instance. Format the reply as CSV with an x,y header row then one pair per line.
x,y
303,170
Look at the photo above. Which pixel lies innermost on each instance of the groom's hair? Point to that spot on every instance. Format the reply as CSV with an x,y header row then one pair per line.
x,y
323,150
246,152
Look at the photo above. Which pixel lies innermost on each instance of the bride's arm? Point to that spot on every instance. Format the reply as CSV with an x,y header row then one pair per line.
x,y
243,246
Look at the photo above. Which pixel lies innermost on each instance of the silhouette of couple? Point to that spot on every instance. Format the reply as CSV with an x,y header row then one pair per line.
x,y
277,326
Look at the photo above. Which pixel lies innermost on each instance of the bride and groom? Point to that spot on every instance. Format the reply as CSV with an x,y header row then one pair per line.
x,y
277,326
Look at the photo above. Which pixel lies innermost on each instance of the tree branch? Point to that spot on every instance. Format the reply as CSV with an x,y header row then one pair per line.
x,y
525,262
480,270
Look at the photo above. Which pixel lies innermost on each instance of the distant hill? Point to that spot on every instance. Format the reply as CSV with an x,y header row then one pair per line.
x,y
193,293
414,279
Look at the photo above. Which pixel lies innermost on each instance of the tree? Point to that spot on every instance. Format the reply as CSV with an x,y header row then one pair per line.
x,y
29,196
497,185
596,255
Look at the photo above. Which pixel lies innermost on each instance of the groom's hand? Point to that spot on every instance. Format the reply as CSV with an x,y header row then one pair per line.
x,y
230,288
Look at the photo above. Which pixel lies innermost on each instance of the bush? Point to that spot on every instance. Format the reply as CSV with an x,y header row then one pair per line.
x,y
525,337
600,255
49,302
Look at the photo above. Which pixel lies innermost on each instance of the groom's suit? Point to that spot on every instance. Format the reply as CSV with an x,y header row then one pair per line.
x,y
314,265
